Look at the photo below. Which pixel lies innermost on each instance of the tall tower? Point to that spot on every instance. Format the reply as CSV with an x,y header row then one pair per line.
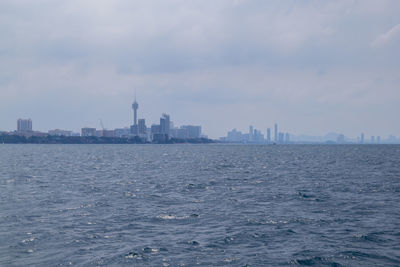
x,y
135,107
276,133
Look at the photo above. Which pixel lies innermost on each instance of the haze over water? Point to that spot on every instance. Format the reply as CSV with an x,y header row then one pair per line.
x,y
175,205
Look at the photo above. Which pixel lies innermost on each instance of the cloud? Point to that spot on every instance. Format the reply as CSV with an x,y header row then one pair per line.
x,y
388,37
222,64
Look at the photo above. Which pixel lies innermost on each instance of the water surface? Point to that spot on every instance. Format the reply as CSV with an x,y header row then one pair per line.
x,y
175,205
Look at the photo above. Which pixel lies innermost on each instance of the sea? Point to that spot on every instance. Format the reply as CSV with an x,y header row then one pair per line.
x,y
199,205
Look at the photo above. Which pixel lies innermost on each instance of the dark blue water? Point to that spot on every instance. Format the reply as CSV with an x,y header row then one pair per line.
x,y
186,205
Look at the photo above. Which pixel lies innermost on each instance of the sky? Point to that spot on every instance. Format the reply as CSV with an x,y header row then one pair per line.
x,y
311,66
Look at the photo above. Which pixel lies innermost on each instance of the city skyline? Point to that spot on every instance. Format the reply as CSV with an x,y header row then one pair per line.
x,y
314,67
166,127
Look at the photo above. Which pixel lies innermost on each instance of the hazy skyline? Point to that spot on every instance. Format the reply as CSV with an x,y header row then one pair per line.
x,y
312,66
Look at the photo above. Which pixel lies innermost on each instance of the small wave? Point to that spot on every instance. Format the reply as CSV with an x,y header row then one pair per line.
x,y
134,255
229,260
171,217
28,240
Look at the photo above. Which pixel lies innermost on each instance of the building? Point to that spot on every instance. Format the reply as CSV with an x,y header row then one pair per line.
x,y
24,125
105,133
340,139
287,138
192,131
257,138
122,132
234,136
372,139
58,132
165,124
268,136
142,129
378,139
155,129
251,133
362,138
276,133
281,139
88,131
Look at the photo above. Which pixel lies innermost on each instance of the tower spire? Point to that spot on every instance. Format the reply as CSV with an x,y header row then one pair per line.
x,y
135,107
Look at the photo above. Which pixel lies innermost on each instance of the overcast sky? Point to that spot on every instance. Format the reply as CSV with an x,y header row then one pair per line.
x,y
311,66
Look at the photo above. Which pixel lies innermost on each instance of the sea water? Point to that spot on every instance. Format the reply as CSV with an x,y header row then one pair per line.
x,y
207,205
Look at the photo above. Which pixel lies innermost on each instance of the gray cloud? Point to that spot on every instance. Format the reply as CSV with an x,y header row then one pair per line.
x,y
313,66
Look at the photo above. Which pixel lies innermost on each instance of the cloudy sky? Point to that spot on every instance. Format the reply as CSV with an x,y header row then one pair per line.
x,y
311,66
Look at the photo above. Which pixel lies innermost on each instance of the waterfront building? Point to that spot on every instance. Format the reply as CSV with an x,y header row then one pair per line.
x,y
268,136
155,129
372,139
88,131
142,129
234,136
122,132
276,133
281,138
24,125
378,139
165,124
287,138
58,132
362,138
107,133
340,139
258,137
192,131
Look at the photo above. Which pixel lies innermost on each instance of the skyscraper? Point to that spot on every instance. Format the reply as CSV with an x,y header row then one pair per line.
x,y
276,133
142,129
268,136
362,138
281,139
251,133
164,124
287,138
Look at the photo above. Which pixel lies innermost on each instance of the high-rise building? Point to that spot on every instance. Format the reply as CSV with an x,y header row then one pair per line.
x,y
281,139
340,139
287,138
268,136
362,138
378,139
276,133
192,131
251,133
155,129
164,124
142,129
372,139
24,125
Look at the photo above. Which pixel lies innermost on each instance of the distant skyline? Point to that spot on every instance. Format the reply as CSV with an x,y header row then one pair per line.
x,y
313,67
